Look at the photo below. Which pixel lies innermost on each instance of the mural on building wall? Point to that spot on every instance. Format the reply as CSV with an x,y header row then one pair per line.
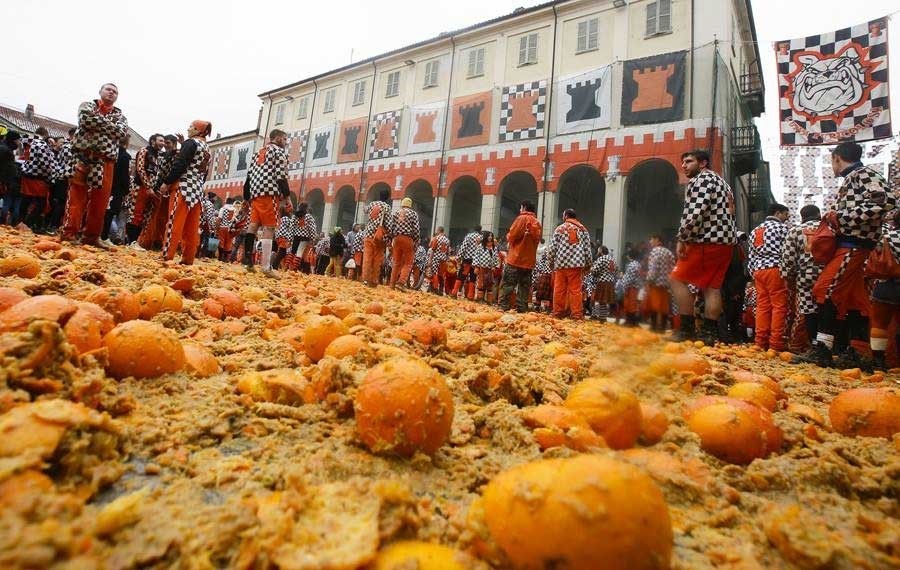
x,y
221,162
426,126
523,110
352,140
471,124
833,87
653,89
296,149
321,142
384,135
584,101
241,157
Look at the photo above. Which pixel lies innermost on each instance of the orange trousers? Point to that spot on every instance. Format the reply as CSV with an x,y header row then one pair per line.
x,y
402,256
567,292
439,277
843,282
771,308
141,198
155,229
226,239
183,229
86,207
630,303
373,259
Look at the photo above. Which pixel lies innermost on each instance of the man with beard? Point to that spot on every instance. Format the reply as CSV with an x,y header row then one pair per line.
x,y
146,168
95,148
569,255
157,215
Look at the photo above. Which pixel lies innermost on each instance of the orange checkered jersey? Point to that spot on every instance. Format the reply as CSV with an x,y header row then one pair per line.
x,y
185,208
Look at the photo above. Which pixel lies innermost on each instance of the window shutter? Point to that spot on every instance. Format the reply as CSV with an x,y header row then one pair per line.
x,y
665,15
523,50
651,18
532,48
480,63
582,36
301,109
593,35
473,63
279,114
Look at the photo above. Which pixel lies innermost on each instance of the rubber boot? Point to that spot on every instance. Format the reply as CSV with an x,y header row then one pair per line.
x,y
687,330
249,240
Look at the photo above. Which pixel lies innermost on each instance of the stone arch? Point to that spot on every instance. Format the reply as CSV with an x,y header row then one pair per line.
x,y
316,200
375,190
422,195
515,187
465,207
653,201
344,208
583,189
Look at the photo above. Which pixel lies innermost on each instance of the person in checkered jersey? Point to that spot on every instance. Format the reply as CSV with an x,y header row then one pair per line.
x,y
764,264
858,213
706,240
38,167
375,238
660,263
465,278
403,226
265,187
436,267
800,270
569,254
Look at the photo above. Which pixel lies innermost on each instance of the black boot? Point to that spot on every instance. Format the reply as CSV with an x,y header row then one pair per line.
x,y
249,240
709,332
878,360
279,255
849,358
818,354
132,232
686,331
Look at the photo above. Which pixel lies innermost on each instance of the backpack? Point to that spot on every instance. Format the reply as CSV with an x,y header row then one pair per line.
x,y
823,242
881,263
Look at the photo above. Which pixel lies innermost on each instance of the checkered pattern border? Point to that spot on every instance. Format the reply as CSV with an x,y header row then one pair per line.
x,y
223,154
871,120
377,122
292,136
539,109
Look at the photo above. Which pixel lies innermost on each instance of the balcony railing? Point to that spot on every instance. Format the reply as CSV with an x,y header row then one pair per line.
x,y
751,83
744,139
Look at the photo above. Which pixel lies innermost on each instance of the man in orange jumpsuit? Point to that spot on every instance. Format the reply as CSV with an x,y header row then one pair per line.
x,y
95,147
376,236
184,185
570,257
766,244
404,227
146,168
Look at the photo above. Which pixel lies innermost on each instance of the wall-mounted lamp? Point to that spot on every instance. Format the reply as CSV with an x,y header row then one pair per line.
x,y
409,62
289,98
619,3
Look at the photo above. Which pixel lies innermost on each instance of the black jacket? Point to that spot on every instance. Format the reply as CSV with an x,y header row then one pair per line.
x,y
9,171
337,244
121,177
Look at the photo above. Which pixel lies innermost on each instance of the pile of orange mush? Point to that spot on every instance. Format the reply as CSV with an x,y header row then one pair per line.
x,y
160,416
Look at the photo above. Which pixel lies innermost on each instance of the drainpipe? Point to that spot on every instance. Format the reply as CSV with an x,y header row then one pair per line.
x,y
441,169
693,14
365,159
549,121
715,91
265,133
306,142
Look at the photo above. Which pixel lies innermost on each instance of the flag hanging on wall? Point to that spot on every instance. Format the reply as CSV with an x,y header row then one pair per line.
x,y
471,123
584,101
296,149
653,89
221,162
833,87
384,135
426,127
352,140
241,157
321,143
523,110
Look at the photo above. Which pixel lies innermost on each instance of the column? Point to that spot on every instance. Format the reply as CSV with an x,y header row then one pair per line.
x,y
396,203
489,213
441,213
328,217
361,213
547,205
614,216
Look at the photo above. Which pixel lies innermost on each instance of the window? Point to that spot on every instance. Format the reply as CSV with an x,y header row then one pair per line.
x,y
431,73
359,92
659,17
528,49
476,63
279,113
302,107
329,101
588,35
393,84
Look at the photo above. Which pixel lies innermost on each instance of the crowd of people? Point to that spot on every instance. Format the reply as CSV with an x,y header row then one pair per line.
x,y
779,286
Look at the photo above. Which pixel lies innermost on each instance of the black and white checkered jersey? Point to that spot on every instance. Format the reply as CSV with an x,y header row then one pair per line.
x,y
604,269
750,296
306,228
632,278
322,246
269,166
288,228
40,161
798,266
189,169
209,219
542,265
708,215
862,201
485,257
570,246
440,248
766,244
660,264
356,244
421,256
377,216
469,243
64,162
404,222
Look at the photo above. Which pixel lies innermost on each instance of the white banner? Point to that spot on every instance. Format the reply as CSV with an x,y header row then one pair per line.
x,y
426,126
584,101
321,145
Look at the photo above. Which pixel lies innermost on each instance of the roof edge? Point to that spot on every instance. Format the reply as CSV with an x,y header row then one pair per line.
x,y
232,136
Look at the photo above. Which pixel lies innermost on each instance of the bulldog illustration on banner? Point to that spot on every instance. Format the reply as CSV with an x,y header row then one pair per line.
x,y
834,87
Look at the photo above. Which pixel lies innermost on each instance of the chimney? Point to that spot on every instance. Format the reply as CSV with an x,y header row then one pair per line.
x,y
29,111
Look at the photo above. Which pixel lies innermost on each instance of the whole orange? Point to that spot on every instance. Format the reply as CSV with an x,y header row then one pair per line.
x,y
733,430
118,302
155,298
143,349
319,333
20,265
613,411
403,406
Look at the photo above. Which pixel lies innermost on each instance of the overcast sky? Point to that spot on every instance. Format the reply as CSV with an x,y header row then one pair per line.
x,y
177,60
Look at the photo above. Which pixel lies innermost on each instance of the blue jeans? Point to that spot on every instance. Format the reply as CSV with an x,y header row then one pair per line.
x,y
10,209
